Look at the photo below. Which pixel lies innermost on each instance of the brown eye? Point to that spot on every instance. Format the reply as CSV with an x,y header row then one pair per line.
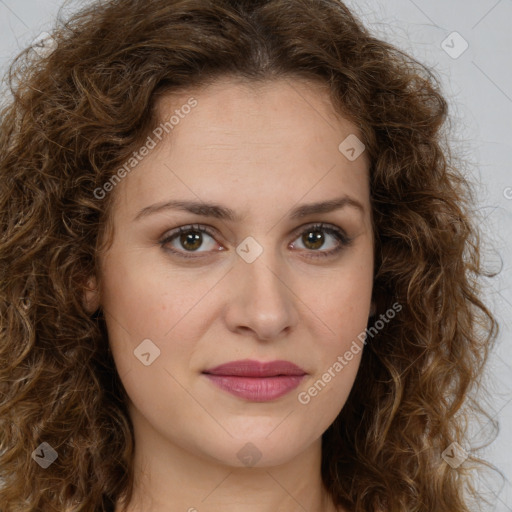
x,y
314,238
187,239
191,241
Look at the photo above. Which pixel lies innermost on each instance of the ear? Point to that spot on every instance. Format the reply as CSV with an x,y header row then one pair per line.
x,y
91,298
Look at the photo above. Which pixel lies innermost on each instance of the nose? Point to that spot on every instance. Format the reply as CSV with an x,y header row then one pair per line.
x,y
260,300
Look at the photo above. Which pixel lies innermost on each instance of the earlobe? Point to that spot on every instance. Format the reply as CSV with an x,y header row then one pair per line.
x,y
91,299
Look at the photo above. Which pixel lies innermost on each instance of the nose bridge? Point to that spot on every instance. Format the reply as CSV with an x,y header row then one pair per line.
x,y
262,300
265,279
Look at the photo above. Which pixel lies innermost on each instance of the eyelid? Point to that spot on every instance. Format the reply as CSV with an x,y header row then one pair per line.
x,y
320,226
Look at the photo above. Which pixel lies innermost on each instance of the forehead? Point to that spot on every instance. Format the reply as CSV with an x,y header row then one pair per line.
x,y
300,109
244,140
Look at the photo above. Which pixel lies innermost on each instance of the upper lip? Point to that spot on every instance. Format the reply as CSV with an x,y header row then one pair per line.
x,y
250,368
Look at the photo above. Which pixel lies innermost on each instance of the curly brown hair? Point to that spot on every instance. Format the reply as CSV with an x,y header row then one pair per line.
x,y
77,114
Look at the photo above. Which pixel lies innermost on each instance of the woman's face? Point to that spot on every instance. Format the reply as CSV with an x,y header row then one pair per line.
x,y
263,286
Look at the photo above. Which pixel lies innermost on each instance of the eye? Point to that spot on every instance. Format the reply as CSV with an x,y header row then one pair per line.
x,y
190,238
313,238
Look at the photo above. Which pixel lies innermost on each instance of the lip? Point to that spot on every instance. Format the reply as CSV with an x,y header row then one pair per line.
x,y
251,368
256,381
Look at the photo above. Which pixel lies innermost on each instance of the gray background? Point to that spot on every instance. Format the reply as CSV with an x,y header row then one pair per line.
x,y
478,84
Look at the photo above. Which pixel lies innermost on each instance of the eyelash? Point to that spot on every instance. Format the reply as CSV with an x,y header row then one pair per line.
x,y
343,240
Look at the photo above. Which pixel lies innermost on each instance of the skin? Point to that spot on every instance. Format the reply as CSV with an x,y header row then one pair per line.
x,y
260,150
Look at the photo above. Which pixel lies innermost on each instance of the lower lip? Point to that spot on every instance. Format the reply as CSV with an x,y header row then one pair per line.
x,y
257,389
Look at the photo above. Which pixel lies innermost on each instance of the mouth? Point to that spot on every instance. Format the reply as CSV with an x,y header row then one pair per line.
x,y
255,381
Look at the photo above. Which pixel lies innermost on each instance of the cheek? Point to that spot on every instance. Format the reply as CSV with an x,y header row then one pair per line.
x,y
140,298
143,303
343,310
141,306
339,350
344,303
324,395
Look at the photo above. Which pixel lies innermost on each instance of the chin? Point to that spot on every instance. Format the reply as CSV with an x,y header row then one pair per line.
x,y
256,452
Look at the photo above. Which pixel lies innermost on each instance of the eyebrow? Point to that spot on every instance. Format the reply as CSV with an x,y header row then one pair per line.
x,y
205,209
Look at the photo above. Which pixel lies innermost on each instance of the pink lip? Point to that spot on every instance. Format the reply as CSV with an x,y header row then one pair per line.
x,y
255,381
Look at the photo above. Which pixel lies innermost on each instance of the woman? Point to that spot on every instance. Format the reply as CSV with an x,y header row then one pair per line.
x,y
239,270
